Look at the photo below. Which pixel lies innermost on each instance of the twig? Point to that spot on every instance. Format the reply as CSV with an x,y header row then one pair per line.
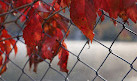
x,y
55,13
11,38
16,9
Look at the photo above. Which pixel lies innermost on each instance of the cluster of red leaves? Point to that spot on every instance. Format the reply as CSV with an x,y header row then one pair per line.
x,y
39,45
125,9
5,47
84,12
44,39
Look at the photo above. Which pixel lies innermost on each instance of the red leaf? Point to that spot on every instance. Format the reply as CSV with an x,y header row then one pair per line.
x,y
3,69
1,59
13,42
41,7
3,8
49,49
101,4
62,3
33,31
63,58
121,8
125,9
6,48
132,13
18,3
82,13
32,34
7,43
62,23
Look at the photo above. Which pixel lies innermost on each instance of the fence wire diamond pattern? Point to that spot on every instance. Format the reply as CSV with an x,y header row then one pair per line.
x,y
65,77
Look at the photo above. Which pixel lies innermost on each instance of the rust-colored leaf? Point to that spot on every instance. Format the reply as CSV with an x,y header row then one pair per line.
x,y
63,58
18,3
3,8
33,31
1,60
132,13
63,3
3,69
82,13
7,43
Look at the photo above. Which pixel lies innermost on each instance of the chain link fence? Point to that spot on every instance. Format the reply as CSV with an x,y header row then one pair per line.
x,y
50,66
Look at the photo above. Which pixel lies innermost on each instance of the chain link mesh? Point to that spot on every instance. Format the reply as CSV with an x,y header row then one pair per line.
x,y
65,77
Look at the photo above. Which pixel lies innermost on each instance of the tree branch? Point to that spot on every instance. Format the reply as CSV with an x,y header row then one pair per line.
x,y
11,38
16,9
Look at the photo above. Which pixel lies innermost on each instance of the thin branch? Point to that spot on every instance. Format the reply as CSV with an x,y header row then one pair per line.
x,y
11,38
16,9
55,13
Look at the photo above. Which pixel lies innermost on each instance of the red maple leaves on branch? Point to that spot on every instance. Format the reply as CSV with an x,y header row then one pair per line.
x,y
44,27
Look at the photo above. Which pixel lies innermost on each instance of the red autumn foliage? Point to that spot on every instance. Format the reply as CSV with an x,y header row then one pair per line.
x,y
119,8
82,13
62,3
63,58
3,8
44,39
38,43
5,49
